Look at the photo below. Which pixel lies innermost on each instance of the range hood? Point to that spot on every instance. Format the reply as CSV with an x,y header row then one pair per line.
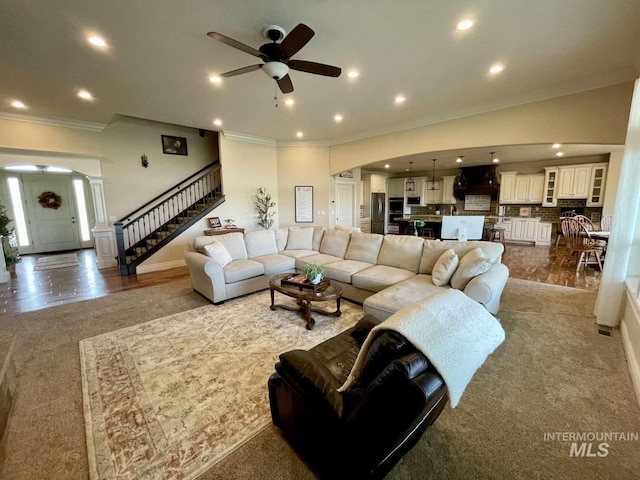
x,y
476,181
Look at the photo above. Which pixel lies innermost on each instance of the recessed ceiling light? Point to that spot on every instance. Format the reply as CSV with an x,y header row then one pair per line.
x,y
289,101
400,99
299,134
386,166
217,122
559,154
338,118
85,95
465,24
18,104
97,41
497,68
459,159
556,145
215,79
496,160
353,74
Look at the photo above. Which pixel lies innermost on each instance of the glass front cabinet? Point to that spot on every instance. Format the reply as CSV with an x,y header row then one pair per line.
x,y
596,186
549,198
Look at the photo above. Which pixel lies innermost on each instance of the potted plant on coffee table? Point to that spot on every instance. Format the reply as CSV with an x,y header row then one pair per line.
x,y
314,273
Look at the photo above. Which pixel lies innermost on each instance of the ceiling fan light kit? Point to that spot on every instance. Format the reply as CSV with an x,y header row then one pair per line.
x,y
277,56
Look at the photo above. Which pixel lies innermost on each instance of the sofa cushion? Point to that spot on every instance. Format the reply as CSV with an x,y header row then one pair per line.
x,y
200,242
241,270
342,270
434,248
281,235
401,251
444,268
234,243
388,301
318,233
300,238
260,242
275,263
348,229
379,277
364,247
297,253
217,251
317,258
335,242
472,264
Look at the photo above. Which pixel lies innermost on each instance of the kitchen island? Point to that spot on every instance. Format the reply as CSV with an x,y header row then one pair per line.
x,y
434,223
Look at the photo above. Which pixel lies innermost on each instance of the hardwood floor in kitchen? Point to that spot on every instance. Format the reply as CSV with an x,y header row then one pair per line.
x,y
35,290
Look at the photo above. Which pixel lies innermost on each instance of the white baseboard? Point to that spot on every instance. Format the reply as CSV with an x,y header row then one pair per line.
x,y
156,267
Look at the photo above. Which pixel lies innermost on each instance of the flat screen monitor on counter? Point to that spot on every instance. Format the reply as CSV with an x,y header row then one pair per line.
x,y
462,227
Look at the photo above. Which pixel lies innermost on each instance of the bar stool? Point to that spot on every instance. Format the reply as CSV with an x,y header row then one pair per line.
x,y
427,232
497,234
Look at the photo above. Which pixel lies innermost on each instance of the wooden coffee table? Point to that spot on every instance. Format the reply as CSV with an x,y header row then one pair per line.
x,y
304,298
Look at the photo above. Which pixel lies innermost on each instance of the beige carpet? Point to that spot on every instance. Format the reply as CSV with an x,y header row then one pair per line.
x,y
169,398
57,261
554,372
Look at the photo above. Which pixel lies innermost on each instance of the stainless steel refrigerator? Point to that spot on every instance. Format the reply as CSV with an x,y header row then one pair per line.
x,y
377,213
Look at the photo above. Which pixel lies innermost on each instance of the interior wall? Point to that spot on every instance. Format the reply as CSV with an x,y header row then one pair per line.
x,y
303,166
595,116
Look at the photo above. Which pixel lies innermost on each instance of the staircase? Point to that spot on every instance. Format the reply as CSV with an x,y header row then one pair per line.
x,y
148,228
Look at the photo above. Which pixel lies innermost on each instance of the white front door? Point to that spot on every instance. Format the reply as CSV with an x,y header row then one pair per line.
x,y
345,196
51,229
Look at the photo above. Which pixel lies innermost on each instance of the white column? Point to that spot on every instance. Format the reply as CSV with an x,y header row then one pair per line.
x,y
624,231
103,233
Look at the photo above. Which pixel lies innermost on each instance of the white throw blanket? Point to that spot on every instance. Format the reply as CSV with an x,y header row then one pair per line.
x,y
454,332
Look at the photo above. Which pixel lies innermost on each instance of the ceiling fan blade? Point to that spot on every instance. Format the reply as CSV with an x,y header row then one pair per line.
x,y
242,70
236,44
297,38
316,68
285,84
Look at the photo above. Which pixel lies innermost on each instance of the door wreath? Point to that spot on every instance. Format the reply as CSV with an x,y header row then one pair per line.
x,y
49,200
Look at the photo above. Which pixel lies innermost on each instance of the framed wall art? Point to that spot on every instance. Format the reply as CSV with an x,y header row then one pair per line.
x,y
174,145
304,204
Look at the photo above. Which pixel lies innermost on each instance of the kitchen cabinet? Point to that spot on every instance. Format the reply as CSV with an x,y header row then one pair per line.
x,y
420,181
596,186
507,187
431,196
521,229
395,187
545,229
365,224
529,188
447,190
573,181
550,198
378,183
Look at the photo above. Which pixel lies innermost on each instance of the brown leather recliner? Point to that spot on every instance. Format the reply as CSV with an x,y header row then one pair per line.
x,y
364,431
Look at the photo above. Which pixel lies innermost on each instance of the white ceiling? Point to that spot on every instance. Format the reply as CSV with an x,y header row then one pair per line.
x,y
159,59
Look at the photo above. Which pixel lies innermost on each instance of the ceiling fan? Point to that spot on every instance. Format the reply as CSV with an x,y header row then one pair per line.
x,y
277,56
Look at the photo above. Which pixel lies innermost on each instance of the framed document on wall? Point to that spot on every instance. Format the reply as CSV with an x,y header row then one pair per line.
x,y
304,204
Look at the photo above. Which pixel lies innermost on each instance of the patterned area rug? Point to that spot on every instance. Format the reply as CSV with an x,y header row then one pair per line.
x,y
57,261
169,398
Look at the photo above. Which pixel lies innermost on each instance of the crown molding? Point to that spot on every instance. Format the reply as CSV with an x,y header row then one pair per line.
x,y
293,143
55,122
243,137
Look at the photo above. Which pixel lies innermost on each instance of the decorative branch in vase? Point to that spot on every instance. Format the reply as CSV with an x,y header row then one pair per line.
x,y
264,204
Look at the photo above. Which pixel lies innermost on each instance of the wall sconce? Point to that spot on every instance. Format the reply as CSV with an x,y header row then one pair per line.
x,y
145,161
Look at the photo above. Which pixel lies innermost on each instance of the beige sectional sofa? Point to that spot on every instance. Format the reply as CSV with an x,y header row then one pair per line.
x,y
384,273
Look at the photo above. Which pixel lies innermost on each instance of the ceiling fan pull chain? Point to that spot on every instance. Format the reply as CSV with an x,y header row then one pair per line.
x,y
275,93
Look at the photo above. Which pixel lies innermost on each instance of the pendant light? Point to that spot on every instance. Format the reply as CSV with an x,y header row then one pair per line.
x,y
434,185
488,177
410,185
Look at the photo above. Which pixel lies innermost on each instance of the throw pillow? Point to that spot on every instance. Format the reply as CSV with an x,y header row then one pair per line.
x,y
444,268
219,253
471,265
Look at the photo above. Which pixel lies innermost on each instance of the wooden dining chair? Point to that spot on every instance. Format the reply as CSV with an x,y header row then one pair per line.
x,y
559,235
581,245
586,221
605,223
